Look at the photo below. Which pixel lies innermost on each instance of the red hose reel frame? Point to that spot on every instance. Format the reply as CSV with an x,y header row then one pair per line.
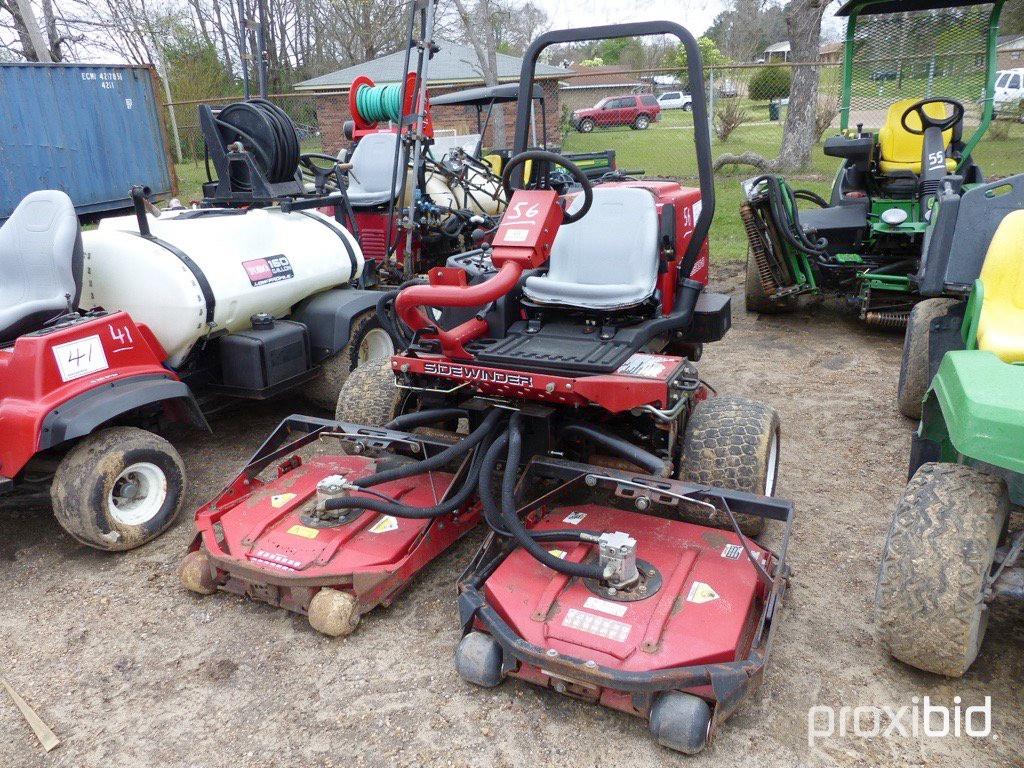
x,y
362,127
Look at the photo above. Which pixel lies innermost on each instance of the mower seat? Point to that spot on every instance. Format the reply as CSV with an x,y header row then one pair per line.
x,y
373,163
900,150
40,263
1001,323
608,259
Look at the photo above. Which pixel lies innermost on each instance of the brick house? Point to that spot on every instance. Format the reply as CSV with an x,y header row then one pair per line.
x,y
1010,52
453,68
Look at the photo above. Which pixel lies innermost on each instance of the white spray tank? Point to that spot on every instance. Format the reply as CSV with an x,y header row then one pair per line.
x,y
210,270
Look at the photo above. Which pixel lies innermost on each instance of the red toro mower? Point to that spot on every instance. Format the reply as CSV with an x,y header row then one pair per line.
x,y
76,386
553,372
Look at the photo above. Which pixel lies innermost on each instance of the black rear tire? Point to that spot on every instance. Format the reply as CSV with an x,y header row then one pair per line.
x,y
731,442
939,552
915,369
118,488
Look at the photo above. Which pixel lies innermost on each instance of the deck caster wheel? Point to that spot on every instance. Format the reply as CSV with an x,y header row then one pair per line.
x,y
478,660
333,613
196,574
681,722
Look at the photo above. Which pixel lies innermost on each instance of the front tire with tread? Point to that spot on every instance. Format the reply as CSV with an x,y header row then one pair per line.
x,y
731,442
939,552
335,370
369,396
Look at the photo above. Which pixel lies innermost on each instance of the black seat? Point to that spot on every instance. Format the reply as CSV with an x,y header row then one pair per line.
x,y
955,246
40,263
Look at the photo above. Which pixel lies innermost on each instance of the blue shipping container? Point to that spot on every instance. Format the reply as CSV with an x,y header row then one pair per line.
x,y
90,130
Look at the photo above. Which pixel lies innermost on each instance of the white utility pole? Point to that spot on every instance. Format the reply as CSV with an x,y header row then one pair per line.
x,y
35,34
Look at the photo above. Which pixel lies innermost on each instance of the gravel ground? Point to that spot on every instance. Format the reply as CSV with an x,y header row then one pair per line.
x,y
130,670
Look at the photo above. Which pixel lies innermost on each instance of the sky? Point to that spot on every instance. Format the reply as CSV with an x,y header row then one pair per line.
x,y
695,15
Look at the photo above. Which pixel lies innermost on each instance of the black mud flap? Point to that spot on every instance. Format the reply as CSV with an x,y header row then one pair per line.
x,y
81,415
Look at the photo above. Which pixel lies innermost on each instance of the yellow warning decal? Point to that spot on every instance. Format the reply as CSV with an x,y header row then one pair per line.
x,y
281,499
701,593
304,531
385,524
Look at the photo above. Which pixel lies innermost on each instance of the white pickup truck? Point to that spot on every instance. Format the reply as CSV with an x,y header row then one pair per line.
x,y
676,100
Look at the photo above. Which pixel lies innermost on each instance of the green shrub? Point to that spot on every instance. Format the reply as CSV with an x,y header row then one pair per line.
x,y
770,83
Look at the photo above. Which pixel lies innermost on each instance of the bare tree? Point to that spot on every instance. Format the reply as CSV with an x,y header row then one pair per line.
x,y
800,133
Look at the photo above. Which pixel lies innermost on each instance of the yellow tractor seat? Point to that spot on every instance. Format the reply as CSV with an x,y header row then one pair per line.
x,y
1001,322
900,150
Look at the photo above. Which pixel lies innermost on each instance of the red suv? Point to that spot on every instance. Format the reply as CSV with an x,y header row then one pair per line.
x,y
637,111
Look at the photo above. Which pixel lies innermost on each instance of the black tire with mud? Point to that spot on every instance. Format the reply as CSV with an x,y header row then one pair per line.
x,y
754,297
728,443
369,396
85,478
324,389
915,369
939,551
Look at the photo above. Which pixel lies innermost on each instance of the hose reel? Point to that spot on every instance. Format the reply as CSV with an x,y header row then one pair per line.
x,y
267,133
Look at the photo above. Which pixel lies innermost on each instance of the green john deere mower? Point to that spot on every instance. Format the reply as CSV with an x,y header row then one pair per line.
x,y
910,213
951,551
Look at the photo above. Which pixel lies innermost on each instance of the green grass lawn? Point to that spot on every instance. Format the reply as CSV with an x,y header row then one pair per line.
x,y
666,149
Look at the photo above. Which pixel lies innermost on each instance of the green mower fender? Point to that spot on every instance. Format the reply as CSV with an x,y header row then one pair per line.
x,y
974,413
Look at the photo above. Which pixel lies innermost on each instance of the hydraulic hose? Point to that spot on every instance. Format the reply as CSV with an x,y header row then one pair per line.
x,y
397,509
788,220
489,503
422,418
511,519
620,447
386,315
438,460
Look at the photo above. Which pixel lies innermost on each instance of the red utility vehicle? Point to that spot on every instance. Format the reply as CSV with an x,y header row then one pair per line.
x,y
76,387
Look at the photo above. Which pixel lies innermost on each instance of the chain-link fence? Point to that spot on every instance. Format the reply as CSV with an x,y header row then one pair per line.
x,y
645,118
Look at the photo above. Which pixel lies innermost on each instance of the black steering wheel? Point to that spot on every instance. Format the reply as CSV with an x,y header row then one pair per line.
x,y
321,174
927,121
545,179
